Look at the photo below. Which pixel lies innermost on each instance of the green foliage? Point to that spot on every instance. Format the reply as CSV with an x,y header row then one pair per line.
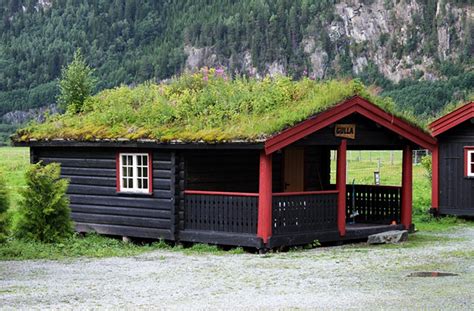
x,y
92,245
205,106
426,163
427,99
76,84
4,205
5,131
128,43
427,223
44,213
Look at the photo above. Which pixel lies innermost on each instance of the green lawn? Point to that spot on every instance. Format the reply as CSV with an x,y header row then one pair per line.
x,y
13,162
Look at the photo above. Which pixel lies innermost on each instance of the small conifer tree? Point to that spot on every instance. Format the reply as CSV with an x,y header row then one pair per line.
x,y
76,84
4,203
44,213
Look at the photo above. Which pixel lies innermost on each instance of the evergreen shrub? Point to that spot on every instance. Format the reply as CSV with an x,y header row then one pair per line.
x,y
44,213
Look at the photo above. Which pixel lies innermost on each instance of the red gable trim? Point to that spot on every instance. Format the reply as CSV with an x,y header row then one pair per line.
x,y
452,119
354,105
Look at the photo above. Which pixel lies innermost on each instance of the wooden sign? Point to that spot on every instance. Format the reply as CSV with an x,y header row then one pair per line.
x,y
345,130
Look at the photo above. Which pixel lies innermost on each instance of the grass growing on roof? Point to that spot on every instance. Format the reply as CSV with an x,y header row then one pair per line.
x,y
200,107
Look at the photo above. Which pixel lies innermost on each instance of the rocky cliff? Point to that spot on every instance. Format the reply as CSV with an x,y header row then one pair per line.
x,y
402,38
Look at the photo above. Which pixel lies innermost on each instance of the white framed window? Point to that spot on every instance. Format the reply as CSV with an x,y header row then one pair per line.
x,y
134,172
469,161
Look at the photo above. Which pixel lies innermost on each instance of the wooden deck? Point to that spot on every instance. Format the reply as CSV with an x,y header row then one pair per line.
x,y
354,232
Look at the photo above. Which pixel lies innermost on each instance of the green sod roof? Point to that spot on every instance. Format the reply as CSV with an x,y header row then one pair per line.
x,y
197,108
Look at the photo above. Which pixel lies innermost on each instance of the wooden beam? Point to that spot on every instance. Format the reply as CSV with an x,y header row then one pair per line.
x,y
353,105
264,229
407,187
341,187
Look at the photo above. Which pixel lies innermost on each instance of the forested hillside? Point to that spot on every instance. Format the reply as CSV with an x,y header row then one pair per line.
x,y
417,51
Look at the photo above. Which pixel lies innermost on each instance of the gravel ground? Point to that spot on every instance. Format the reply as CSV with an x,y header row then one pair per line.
x,y
347,277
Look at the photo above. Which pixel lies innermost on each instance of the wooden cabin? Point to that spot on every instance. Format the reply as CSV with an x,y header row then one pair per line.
x,y
453,163
263,194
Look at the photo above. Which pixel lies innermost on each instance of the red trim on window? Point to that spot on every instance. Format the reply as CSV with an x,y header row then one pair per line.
x,y
150,172
238,194
150,168
467,160
358,105
117,168
452,119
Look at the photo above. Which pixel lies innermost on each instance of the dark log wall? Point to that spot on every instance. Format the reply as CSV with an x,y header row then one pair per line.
x,y
95,203
238,170
456,195
222,170
317,168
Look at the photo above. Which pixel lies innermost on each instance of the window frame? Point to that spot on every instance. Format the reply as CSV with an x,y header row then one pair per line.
x,y
468,154
119,175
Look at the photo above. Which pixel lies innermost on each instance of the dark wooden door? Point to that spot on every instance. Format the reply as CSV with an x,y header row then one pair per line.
x,y
294,169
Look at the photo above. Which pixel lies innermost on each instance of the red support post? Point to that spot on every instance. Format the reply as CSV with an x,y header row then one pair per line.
x,y
341,187
264,229
435,178
407,187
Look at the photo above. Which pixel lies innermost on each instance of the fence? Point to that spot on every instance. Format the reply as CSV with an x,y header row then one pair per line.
x,y
362,166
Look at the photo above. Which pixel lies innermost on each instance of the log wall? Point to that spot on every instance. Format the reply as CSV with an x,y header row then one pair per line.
x,y
95,203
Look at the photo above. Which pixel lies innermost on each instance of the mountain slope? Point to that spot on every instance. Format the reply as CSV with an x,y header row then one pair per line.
x,y
391,43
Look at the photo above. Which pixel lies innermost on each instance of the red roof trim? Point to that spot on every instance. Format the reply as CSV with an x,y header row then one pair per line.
x,y
355,104
452,119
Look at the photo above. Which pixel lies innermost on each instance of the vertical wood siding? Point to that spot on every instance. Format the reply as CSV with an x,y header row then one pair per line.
x,y
95,203
456,192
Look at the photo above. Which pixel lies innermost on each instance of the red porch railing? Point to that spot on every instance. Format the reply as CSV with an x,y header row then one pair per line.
x,y
221,211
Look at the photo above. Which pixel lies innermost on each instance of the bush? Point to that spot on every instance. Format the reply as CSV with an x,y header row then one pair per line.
x,y
426,163
44,213
4,203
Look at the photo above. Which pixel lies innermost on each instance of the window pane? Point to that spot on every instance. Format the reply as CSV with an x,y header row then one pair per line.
x,y
139,173
145,160
130,160
139,183
472,168
124,171
130,183
124,182
139,160
124,160
130,171
145,172
145,184
472,157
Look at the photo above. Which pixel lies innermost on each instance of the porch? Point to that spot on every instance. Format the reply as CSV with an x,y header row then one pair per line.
x,y
281,192
297,217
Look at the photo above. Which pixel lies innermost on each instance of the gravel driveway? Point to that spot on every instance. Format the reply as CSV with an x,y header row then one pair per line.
x,y
347,277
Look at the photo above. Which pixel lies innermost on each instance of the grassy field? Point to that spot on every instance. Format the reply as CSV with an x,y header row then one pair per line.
x,y
361,167
13,162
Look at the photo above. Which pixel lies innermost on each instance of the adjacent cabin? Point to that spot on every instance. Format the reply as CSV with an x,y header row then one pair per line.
x,y
453,163
271,192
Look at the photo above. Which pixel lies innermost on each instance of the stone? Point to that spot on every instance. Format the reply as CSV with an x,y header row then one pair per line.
x,y
388,237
